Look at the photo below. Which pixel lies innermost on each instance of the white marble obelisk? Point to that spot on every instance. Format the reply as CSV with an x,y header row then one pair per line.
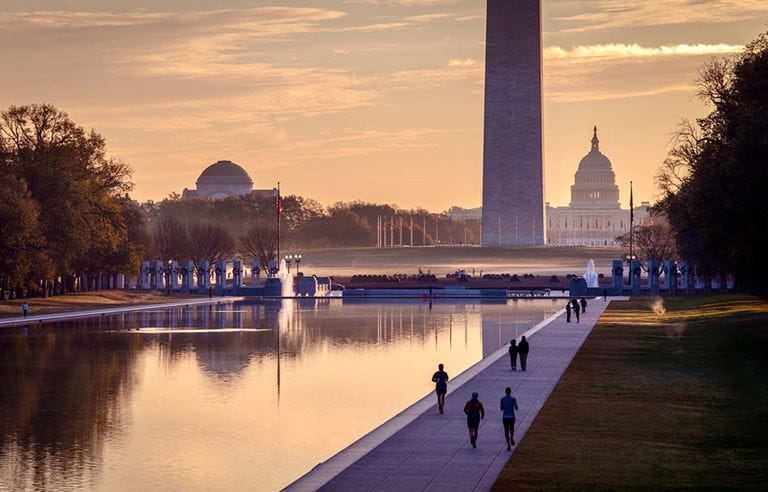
x,y
513,163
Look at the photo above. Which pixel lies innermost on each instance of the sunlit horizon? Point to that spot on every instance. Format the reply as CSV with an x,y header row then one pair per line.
x,y
373,100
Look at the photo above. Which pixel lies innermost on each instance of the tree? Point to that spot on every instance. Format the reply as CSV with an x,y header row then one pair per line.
x,y
652,242
260,243
20,242
76,187
210,241
171,239
713,182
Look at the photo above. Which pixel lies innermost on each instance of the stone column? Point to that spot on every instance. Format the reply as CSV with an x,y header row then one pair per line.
x,y
204,275
700,282
653,276
255,272
686,276
221,277
159,272
188,273
618,276
144,275
237,274
670,276
634,277
174,275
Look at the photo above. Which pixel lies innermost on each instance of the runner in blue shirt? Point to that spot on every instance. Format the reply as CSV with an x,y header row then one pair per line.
x,y
508,406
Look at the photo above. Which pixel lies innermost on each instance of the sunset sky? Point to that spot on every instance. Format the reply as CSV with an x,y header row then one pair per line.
x,y
379,100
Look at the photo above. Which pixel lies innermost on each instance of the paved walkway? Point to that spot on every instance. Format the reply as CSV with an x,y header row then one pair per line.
x,y
422,450
43,318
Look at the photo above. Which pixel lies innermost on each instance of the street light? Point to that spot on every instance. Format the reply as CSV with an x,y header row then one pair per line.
x,y
288,260
298,261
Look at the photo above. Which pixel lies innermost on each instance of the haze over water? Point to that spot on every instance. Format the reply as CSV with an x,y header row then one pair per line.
x,y
199,399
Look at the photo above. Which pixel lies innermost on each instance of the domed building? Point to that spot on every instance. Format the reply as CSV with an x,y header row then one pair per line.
x,y
224,179
594,216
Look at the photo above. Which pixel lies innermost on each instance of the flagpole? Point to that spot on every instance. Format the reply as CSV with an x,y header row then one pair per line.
x,y
631,224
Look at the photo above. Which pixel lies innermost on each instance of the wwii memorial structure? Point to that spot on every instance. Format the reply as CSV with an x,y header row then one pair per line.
x,y
513,166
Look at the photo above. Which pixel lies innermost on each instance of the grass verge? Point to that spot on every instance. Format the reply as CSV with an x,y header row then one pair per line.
x,y
670,394
86,301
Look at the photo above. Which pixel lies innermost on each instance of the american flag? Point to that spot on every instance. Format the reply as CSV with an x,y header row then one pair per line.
x,y
631,207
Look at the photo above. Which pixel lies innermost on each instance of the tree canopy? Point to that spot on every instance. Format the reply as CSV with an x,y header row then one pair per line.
x,y
715,178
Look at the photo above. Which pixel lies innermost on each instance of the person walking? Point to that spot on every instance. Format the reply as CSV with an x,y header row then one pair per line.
x,y
513,351
25,308
475,412
508,407
523,350
583,303
605,294
576,309
210,292
568,312
440,378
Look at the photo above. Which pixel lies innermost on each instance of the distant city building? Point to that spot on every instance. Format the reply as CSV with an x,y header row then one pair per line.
x,y
224,179
594,216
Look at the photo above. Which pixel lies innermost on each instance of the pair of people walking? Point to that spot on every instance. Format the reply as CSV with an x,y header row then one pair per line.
x,y
475,411
575,306
521,350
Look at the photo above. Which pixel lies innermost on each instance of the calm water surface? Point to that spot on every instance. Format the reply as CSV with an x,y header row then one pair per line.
x,y
244,396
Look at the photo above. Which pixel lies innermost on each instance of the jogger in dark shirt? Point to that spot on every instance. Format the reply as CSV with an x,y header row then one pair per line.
x,y
475,411
513,350
523,348
440,378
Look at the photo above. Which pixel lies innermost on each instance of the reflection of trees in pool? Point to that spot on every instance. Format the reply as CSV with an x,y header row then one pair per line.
x,y
61,396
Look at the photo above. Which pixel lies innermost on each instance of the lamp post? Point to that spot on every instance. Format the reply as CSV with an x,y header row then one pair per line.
x,y
297,258
288,260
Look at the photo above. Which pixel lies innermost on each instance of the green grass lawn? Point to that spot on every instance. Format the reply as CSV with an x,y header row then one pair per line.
x,y
86,301
657,399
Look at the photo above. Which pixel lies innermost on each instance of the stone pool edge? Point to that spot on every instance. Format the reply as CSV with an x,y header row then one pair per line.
x,y
44,318
327,470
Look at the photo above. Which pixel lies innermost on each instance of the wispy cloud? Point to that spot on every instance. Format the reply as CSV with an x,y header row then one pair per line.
x,y
612,14
635,50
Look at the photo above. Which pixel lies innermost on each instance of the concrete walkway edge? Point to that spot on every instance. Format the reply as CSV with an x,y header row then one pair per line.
x,y
42,318
324,472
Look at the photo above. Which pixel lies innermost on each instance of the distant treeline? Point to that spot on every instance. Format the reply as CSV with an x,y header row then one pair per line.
x,y
246,226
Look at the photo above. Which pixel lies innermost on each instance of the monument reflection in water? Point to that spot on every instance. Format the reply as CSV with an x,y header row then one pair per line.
x,y
243,396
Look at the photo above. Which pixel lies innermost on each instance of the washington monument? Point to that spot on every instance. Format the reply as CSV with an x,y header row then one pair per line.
x,y
513,167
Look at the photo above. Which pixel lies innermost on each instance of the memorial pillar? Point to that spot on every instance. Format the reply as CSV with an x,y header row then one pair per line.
x,y
144,281
255,272
188,273
634,277
653,276
670,276
221,277
174,275
204,275
237,274
686,273
618,277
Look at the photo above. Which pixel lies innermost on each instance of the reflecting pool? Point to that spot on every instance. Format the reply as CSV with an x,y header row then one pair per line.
x,y
249,395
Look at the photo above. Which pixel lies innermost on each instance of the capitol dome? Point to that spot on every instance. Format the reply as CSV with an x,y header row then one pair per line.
x,y
595,183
